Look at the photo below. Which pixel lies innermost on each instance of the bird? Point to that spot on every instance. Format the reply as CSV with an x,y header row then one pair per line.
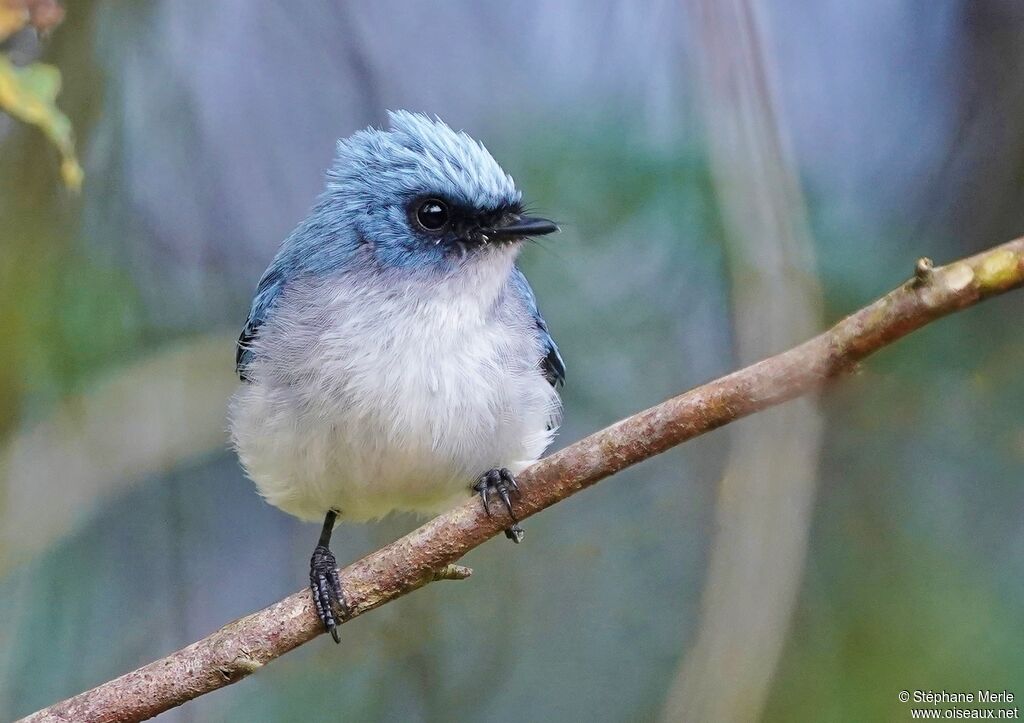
x,y
394,357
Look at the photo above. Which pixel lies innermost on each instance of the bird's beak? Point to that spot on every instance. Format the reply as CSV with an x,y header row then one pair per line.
x,y
521,227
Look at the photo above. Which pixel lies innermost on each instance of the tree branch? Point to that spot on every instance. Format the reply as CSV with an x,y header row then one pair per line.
x,y
428,553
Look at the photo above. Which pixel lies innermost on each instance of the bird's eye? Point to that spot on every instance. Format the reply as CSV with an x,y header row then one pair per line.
x,y
432,214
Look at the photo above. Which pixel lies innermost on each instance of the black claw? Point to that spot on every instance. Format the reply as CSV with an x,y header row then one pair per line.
x,y
502,482
484,489
509,480
503,491
325,584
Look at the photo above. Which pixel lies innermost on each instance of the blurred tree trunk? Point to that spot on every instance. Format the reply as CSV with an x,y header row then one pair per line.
x,y
976,193
768,487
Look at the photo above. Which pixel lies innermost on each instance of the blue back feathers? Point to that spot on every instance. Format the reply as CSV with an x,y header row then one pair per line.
x,y
552,364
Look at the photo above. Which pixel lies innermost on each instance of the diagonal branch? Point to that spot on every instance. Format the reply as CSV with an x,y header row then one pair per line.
x,y
428,553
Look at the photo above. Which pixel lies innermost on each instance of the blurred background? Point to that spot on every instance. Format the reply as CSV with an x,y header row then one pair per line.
x,y
730,175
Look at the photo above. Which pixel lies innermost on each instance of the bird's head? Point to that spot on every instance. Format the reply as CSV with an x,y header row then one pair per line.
x,y
421,195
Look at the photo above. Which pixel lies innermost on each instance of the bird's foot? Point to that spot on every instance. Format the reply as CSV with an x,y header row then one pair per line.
x,y
501,482
326,587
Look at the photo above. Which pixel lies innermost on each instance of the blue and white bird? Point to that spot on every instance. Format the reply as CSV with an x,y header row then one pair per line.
x,y
394,357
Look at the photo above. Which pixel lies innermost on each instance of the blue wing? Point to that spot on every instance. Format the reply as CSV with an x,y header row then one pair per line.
x,y
551,363
269,289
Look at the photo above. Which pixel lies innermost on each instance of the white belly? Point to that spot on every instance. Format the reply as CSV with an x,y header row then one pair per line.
x,y
378,404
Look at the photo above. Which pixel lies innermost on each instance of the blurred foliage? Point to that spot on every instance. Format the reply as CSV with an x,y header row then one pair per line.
x,y
13,17
43,15
915,572
30,93
65,311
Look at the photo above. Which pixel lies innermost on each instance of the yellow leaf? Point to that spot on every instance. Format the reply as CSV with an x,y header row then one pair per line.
x,y
72,173
29,94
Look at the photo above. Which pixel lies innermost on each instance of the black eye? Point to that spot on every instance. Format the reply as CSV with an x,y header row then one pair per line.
x,y
432,214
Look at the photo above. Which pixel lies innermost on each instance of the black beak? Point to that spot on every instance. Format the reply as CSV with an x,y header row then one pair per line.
x,y
521,227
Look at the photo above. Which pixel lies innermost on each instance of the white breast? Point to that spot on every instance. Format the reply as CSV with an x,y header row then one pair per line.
x,y
374,394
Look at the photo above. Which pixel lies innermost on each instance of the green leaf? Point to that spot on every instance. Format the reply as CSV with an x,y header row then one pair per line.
x,y
29,93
